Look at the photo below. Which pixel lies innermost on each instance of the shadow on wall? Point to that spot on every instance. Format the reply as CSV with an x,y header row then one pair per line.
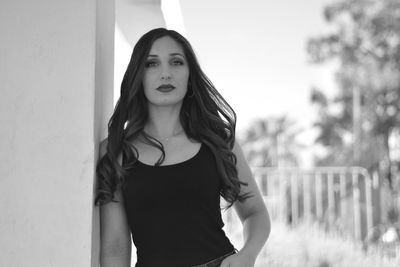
x,y
135,17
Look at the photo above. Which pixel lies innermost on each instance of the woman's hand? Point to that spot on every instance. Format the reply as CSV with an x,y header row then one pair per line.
x,y
238,260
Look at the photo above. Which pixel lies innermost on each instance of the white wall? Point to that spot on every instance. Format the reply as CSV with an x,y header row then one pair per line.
x,y
49,127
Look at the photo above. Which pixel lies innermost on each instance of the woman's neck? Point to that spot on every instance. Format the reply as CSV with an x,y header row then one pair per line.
x,y
163,122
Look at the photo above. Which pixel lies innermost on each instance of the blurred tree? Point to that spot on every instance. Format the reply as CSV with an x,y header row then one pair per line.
x,y
334,130
271,142
366,44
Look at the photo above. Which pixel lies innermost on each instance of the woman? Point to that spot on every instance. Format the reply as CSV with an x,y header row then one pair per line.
x,y
169,156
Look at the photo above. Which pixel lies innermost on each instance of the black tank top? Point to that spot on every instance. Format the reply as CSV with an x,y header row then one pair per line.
x,y
174,212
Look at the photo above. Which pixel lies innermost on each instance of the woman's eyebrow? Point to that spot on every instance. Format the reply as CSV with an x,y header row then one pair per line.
x,y
176,54
171,54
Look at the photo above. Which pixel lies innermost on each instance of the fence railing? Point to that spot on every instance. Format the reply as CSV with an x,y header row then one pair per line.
x,y
341,198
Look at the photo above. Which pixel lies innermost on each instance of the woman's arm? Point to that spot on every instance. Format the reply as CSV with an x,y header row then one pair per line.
x,y
115,240
253,215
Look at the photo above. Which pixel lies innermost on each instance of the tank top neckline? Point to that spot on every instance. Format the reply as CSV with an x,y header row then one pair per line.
x,y
174,164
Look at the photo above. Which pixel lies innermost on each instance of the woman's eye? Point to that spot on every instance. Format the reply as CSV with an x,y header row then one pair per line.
x,y
177,62
150,64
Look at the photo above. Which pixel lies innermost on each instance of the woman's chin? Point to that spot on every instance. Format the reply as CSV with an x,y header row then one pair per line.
x,y
166,102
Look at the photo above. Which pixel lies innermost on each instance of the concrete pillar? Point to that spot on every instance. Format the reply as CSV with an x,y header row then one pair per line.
x,y
56,83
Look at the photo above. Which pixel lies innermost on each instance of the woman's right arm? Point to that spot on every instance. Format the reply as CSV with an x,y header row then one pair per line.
x,y
115,240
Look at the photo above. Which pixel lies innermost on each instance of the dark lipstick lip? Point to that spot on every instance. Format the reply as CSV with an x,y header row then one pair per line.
x,y
166,86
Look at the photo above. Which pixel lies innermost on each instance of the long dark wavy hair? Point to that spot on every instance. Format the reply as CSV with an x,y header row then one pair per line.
x,y
205,117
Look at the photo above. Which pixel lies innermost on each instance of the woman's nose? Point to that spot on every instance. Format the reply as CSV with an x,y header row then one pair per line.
x,y
166,77
165,73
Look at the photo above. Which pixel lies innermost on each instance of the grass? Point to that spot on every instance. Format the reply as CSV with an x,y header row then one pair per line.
x,y
309,246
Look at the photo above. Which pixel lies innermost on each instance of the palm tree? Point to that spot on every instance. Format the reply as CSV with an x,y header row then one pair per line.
x,y
272,142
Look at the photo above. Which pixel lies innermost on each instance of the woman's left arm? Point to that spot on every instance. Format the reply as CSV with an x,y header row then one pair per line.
x,y
253,215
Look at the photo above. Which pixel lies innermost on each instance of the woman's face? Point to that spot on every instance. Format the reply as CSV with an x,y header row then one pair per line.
x,y
166,73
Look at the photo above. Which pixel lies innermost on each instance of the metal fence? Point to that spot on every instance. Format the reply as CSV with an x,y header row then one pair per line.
x,y
346,199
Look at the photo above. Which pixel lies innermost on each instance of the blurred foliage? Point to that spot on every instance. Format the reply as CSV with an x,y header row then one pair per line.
x,y
272,142
365,42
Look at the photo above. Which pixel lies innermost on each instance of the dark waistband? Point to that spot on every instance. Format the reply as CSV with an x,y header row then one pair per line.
x,y
216,262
